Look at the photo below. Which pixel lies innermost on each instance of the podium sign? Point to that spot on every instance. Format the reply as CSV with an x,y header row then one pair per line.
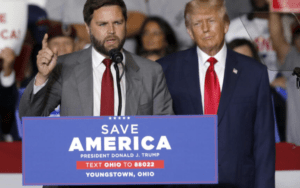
x,y
120,150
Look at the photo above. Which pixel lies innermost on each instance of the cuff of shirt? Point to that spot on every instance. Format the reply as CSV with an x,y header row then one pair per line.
x,y
36,89
7,81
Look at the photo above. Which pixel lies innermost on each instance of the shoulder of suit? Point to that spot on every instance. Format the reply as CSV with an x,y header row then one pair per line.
x,y
72,57
176,56
248,62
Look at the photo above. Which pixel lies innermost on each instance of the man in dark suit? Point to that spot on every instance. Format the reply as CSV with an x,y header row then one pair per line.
x,y
211,79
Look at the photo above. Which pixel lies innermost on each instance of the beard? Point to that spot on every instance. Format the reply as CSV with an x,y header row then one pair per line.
x,y
99,45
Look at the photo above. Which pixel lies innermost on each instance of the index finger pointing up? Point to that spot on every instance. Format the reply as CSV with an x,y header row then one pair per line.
x,y
45,41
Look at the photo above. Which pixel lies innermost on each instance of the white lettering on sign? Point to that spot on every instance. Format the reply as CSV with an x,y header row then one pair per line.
x,y
124,143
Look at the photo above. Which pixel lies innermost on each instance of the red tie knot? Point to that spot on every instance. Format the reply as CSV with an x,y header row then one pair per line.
x,y
212,61
107,62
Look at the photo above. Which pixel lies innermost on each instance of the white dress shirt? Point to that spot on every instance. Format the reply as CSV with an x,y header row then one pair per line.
x,y
98,71
219,68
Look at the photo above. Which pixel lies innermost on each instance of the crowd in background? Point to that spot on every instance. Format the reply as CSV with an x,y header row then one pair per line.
x,y
156,28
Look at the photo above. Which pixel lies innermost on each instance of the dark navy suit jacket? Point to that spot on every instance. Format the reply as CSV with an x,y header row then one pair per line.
x,y
246,143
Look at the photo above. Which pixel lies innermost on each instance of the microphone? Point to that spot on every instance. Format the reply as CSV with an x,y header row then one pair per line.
x,y
116,56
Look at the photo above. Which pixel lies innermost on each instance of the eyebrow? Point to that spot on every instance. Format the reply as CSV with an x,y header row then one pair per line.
x,y
105,22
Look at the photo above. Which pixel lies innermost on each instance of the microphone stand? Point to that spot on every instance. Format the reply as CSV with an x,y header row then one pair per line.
x,y
297,73
119,86
117,57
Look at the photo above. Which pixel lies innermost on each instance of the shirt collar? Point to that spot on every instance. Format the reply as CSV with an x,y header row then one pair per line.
x,y
97,58
220,56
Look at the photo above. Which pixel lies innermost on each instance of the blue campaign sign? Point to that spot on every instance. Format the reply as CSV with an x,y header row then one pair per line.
x,y
120,150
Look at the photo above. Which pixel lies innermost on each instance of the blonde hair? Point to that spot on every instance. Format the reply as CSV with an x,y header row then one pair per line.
x,y
195,5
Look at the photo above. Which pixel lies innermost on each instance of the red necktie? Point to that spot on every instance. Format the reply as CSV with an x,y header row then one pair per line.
x,y
107,91
212,89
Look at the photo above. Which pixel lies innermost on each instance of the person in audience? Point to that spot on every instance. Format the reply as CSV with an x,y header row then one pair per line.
x,y
170,10
69,13
8,93
61,39
288,55
245,47
254,27
156,39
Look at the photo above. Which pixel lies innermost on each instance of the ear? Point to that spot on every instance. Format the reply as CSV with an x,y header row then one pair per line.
x,y
87,29
226,27
190,32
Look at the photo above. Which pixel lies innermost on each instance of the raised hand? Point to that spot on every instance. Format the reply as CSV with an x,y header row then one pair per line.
x,y
46,62
8,56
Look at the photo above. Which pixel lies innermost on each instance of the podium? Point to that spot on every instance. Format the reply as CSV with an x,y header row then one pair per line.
x,y
120,150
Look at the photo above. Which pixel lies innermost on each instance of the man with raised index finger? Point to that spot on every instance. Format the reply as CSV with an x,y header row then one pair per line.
x,y
74,80
212,79
84,82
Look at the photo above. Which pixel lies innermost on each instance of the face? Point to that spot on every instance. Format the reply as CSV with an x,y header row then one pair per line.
x,y
245,50
207,28
64,45
153,37
107,29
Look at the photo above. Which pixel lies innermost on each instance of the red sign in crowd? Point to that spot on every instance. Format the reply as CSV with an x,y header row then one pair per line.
x,y
286,6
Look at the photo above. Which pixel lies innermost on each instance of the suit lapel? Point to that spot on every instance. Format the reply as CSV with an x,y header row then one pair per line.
x,y
84,78
191,76
230,80
133,85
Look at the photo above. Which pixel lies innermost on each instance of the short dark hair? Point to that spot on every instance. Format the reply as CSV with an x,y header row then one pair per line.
x,y
172,44
92,5
241,42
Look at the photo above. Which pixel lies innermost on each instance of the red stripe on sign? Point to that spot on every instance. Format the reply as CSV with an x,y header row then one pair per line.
x,y
85,165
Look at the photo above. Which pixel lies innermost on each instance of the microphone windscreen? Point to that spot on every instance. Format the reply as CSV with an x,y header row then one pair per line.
x,y
116,55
